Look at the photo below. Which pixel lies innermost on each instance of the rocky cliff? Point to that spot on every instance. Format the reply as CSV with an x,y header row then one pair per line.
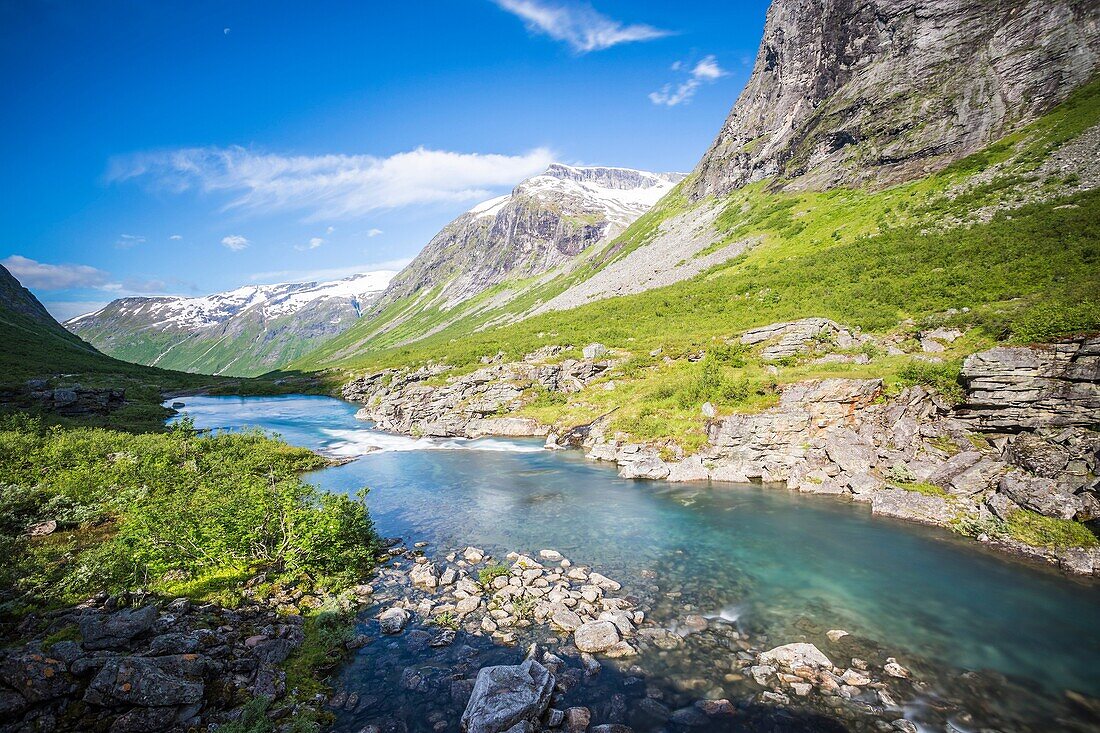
x,y
242,332
878,91
545,222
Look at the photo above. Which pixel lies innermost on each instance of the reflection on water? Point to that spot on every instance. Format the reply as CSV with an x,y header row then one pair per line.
x,y
772,561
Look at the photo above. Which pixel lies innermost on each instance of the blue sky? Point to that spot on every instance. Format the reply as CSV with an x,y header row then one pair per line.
x,y
191,147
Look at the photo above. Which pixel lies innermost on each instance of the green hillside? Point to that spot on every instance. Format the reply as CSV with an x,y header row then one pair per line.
x,y
865,258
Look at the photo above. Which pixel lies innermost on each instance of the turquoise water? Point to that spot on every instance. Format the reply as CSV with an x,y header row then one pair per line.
x,y
778,562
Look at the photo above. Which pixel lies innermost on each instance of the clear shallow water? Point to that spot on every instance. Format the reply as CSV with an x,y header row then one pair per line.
x,y
779,563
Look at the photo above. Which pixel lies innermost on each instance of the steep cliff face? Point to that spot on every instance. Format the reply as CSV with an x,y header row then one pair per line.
x,y
242,332
14,297
545,222
871,92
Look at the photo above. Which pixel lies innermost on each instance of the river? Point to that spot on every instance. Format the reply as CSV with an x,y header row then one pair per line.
x,y
772,561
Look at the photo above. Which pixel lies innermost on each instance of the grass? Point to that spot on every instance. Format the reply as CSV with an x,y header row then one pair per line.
x,y
324,648
487,575
1041,531
924,488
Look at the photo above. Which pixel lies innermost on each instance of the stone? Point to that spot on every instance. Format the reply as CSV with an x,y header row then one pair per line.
x,y
41,529
1039,494
425,575
793,656
762,673
37,677
646,467
156,682
1038,456
115,630
594,351
551,555
622,620
708,410
1024,388
473,555
596,636
504,696
849,450
393,620
566,620
835,635
894,669
604,582
912,506
467,605
577,719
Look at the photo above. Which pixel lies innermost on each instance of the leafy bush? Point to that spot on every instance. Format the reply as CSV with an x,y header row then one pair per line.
x,y
486,575
944,377
137,508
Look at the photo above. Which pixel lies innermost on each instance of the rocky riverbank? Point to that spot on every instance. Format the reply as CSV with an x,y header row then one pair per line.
x,y
1023,438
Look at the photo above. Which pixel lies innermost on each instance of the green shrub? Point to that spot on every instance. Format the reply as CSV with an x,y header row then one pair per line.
x,y
943,377
1041,531
487,575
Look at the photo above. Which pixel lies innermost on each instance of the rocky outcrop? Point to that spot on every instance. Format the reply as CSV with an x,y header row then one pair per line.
x,y
799,337
65,399
1024,388
468,405
169,666
851,93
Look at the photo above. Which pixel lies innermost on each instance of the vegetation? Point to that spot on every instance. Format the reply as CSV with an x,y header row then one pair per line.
x,y
173,511
488,574
1041,531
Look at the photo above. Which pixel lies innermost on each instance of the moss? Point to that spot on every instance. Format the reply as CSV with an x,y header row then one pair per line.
x,y
323,649
66,633
1041,531
925,488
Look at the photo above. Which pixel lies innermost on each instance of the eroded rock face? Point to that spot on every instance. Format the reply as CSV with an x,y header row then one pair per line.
x,y
1011,389
960,74
506,696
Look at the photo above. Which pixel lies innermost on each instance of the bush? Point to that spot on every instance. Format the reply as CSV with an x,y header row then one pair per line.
x,y
943,377
486,575
1041,531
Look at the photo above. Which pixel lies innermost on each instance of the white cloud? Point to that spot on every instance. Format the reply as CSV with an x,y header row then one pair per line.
x,y
176,237
126,241
373,232
313,243
578,24
330,230
331,186
235,242
706,71
331,273
43,276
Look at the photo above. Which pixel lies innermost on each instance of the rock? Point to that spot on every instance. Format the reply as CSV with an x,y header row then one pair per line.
x,y
621,619
596,636
473,555
577,719
793,656
761,674
41,529
894,669
1039,494
551,555
645,467
37,677
709,411
849,450
912,506
566,620
594,351
425,575
115,630
795,337
156,682
393,620
504,696
1038,456
835,635
904,726
468,605
612,728
604,582
1025,388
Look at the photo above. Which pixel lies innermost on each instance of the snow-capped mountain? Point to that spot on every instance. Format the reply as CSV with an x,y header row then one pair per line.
x,y
545,222
242,332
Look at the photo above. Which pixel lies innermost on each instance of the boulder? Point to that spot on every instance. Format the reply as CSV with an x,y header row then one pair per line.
x,y
912,506
505,696
565,619
36,676
646,467
1039,494
393,620
115,630
155,682
594,351
596,636
793,656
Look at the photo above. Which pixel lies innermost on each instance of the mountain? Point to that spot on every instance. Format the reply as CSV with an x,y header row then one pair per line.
x,y
492,254
855,93
242,332
866,132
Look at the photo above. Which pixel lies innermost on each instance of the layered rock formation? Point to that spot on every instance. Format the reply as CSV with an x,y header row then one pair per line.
x,y
852,93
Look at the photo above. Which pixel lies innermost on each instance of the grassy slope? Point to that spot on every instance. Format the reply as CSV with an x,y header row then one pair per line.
x,y
865,258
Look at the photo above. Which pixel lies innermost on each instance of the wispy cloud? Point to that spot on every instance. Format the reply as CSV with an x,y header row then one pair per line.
x,y
373,232
331,187
313,243
43,276
126,241
176,237
235,242
705,71
331,273
578,24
